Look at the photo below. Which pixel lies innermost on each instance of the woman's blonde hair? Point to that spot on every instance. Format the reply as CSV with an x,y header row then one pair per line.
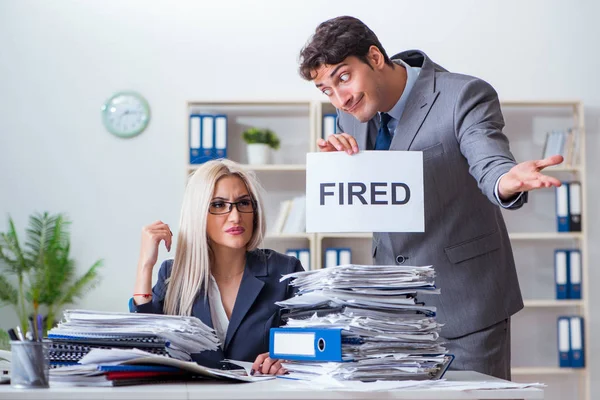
x,y
191,267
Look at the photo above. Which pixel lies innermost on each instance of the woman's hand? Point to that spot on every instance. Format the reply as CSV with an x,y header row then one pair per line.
x,y
152,235
267,366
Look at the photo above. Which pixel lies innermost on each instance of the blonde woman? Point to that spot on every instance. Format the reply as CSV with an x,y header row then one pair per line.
x,y
218,274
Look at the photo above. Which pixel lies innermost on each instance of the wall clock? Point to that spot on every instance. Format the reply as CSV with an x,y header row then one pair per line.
x,y
126,114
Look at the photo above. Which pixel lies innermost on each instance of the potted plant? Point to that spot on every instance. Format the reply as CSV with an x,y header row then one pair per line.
x,y
44,272
260,142
4,341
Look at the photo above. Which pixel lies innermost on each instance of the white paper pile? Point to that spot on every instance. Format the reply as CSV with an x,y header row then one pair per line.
x,y
387,333
182,335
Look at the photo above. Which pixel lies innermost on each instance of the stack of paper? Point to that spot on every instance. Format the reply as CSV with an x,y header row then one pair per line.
x,y
387,333
179,335
116,367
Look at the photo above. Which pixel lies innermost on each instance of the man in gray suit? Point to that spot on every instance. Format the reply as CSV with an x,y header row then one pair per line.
x,y
410,103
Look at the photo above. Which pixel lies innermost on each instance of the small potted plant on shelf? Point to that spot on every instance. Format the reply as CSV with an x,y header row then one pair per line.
x,y
260,142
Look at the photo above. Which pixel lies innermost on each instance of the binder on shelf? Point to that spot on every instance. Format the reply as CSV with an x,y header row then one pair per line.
x,y
301,254
207,137
306,344
561,274
577,345
304,257
220,136
574,281
329,125
291,253
194,139
335,256
331,257
564,342
562,207
575,206
344,256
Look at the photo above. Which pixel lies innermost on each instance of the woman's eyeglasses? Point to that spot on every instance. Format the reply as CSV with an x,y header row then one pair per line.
x,y
224,207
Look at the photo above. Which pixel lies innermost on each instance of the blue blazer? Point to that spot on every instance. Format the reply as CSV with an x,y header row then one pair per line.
x,y
254,312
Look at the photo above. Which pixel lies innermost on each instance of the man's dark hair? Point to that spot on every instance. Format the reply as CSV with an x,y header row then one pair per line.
x,y
336,39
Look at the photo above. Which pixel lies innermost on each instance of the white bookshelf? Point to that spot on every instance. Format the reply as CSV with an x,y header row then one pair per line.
x,y
533,237
267,167
546,235
553,303
299,124
345,235
540,371
283,178
541,233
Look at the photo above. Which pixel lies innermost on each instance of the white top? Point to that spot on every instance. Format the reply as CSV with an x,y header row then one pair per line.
x,y
217,311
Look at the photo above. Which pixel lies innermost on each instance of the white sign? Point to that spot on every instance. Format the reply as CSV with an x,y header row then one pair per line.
x,y
372,191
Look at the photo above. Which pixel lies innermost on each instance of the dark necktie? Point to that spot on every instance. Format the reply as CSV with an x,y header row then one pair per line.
x,y
384,138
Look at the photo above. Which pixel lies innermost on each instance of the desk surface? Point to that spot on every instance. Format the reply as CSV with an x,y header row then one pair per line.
x,y
273,389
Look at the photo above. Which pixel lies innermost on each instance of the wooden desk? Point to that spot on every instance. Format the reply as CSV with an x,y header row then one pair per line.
x,y
273,389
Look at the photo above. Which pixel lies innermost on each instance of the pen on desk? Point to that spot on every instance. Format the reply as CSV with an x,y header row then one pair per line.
x,y
40,326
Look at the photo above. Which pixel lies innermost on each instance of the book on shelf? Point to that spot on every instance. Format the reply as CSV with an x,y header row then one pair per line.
x,y
291,217
284,210
296,218
564,143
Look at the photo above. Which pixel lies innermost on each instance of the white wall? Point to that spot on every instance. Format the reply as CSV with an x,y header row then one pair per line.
x,y
59,60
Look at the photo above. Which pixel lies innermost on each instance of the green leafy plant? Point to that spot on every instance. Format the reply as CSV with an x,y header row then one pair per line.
x,y
257,135
4,340
45,275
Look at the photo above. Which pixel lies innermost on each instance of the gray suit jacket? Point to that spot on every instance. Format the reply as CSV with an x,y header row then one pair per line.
x,y
254,312
457,122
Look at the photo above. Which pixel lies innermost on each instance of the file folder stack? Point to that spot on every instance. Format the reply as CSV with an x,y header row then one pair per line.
x,y
80,331
568,207
207,137
571,351
567,273
361,322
